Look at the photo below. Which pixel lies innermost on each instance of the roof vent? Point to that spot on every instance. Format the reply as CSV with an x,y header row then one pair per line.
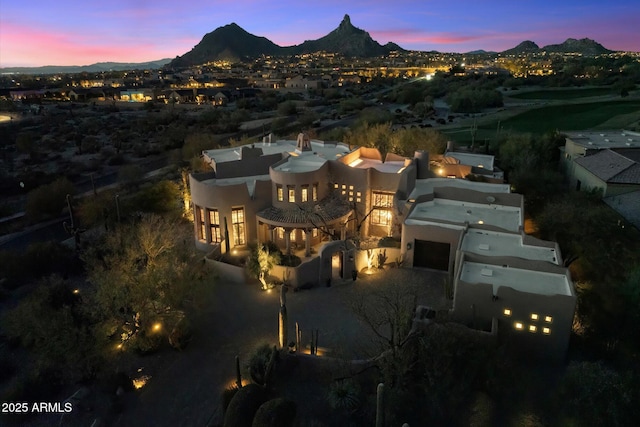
x,y
602,134
483,247
491,199
630,139
487,272
606,140
590,143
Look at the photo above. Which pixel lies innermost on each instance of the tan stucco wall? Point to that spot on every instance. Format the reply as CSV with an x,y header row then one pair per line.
x,y
475,304
226,197
411,233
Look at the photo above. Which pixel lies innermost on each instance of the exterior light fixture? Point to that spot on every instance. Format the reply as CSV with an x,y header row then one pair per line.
x,y
534,316
548,319
409,246
546,331
507,312
532,328
518,326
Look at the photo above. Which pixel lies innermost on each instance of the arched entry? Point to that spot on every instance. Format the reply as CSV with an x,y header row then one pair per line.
x,y
337,265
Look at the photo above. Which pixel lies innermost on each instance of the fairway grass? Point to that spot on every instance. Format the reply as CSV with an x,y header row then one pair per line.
x,y
593,115
560,94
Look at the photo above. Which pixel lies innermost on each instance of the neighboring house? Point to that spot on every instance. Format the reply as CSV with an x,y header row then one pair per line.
x,y
138,95
298,193
608,162
299,82
87,94
454,164
181,96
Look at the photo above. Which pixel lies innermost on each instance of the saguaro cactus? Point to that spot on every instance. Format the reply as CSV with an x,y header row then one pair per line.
x,y
238,374
380,406
282,319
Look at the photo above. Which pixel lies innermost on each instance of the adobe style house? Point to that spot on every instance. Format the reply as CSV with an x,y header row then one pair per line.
x,y
607,162
327,201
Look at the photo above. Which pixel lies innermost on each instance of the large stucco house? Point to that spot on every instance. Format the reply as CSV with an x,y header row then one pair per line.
x,y
326,199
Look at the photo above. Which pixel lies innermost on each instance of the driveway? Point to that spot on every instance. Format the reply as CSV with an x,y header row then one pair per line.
x,y
185,389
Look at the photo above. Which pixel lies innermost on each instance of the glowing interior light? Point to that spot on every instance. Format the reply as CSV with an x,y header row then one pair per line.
x,y
507,312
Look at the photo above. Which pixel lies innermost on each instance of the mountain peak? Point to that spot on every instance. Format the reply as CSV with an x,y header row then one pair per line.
x,y
346,21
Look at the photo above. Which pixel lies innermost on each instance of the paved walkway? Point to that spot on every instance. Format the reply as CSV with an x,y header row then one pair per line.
x,y
186,389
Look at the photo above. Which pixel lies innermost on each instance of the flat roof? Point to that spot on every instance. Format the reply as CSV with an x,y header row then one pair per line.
x,y
530,281
495,243
426,186
471,159
250,181
437,210
301,162
605,138
392,166
328,151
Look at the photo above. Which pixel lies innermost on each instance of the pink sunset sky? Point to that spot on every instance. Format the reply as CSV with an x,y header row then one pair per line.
x,y
72,32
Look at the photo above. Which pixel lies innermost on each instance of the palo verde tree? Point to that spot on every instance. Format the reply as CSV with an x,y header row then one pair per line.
x,y
262,258
148,277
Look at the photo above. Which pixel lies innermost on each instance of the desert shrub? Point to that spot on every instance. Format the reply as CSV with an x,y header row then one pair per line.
x,y
180,335
275,413
227,395
40,259
48,200
258,362
344,395
244,405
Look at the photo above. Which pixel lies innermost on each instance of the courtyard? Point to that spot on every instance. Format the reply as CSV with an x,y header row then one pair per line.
x,y
184,389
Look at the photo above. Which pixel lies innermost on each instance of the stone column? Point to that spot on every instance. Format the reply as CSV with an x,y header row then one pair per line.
x,y
287,240
307,243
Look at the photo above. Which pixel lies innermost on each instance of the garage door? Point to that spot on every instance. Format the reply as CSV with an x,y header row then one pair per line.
x,y
431,255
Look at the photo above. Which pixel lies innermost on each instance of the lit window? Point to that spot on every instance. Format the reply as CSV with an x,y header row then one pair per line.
x,y
546,331
518,326
280,233
507,312
359,194
280,192
304,195
237,220
202,227
532,328
344,186
292,194
314,232
292,236
534,316
381,213
351,187
314,192
548,319
351,199
214,224
358,200
336,185
344,192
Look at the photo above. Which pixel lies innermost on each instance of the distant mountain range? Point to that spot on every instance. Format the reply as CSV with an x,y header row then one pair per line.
x,y
233,43
93,68
586,47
